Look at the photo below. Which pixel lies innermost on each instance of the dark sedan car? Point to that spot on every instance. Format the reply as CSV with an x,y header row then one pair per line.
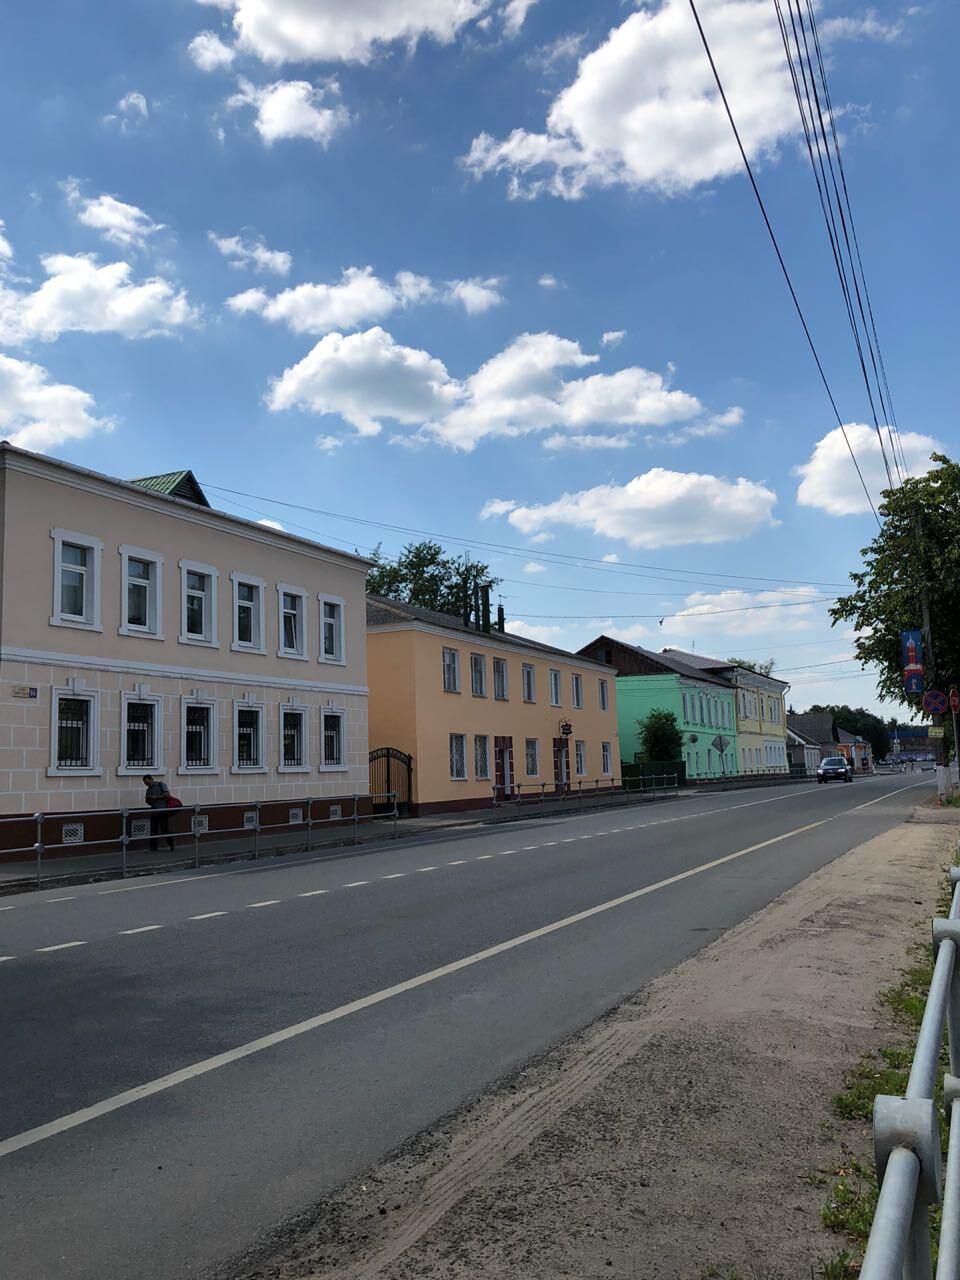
x,y
834,769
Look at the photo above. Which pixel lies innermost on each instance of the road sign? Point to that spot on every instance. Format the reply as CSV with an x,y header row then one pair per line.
x,y
954,700
934,702
935,731
720,743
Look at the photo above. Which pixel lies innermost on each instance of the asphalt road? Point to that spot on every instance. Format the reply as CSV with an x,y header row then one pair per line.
x,y
187,1060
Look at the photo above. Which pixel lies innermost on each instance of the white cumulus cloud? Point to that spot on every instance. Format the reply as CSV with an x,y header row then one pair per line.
x,y
117,222
741,613
209,52
534,566
293,109
80,295
559,441
659,508
6,248
515,14
357,298
546,634
868,26
38,414
252,253
130,113
643,110
613,337
476,295
548,281
829,480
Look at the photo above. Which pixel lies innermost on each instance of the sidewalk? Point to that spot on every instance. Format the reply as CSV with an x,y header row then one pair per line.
x,y
676,1137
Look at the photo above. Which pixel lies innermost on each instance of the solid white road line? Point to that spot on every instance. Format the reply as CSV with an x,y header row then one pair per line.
x,y
62,946
886,796
208,915
267,902
152,1087
144,928
355,884
312,893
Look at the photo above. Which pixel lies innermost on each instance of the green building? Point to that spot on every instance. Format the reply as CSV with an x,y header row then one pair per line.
x,y
704,705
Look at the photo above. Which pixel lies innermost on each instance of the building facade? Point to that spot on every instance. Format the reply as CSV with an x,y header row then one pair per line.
x,y
485,711
803,753
821,728
143,632
703,705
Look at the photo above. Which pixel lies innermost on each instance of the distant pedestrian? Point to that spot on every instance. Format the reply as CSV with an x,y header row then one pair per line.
x,y
157,797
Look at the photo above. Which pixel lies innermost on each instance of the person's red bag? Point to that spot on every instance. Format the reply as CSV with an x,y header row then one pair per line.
x,y
174,803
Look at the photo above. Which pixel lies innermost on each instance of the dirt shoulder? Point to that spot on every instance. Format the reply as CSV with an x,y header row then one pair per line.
x,y
675,1137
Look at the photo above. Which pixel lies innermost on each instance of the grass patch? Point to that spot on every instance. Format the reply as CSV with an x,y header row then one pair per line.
x,y
853,1199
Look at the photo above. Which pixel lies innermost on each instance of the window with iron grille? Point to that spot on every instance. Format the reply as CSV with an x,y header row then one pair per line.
x,y
605,757
140,735
580,757
500,685
451,671
529,683
458,756
605,695
293,753
481,756
577,688
332,736
532,757
198,737
73,733
248,737
478,675
554,688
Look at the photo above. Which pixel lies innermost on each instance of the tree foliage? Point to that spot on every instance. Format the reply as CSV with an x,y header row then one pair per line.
x,y
425,576
660,735
860,720
751,664
916,550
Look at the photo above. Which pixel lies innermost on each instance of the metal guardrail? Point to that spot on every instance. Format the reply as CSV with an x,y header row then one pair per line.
x,y
906,1135
130,830
583,793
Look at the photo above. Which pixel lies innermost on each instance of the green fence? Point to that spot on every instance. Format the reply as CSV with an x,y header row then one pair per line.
x,y
650,774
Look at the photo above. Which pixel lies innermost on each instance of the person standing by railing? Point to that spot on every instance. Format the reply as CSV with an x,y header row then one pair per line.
x,y
157,797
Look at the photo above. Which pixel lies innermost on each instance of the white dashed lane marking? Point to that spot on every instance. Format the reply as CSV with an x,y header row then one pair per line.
x,y
144,928
483,857
62,946
312,893
355,884
457,862
208,915
2,958
67,898
396,875
267,902
426,868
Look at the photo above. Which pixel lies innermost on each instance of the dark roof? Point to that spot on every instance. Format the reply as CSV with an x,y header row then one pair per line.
x,y
175,484
384,613
849,738
801,737
718,664
818,726
664,660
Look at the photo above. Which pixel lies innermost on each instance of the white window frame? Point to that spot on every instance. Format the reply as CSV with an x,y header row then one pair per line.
x,y
92,696
256,645
189,700
556,688
576,691
298,708
501,664
484,738
458,777
125,770
301,654
603,693
242,704
529,670
154,628
91,620
341,767
209,639
478,666
455,687
580,758
535,772
340,659
606,759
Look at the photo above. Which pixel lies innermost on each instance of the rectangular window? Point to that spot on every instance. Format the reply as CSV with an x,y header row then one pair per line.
x,y
458,756
451,671
76,579
247,613
140,735
529,683
139,576
331,629
500,686
481,756
605,757
331,734
478,675
198,736
686,714
292,602
532,757
554,688
292,737
198,606
74,733
577,689
580,757
141,592
703,717
604,695
248,734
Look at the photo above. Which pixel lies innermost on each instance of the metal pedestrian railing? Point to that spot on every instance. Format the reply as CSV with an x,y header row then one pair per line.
x,y
125,841
583,793
906,1135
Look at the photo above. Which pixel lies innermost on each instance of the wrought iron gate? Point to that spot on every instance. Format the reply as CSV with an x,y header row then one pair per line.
x,y
391,770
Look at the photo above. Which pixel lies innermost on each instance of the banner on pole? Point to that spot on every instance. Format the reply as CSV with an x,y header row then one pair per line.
x,y
911,653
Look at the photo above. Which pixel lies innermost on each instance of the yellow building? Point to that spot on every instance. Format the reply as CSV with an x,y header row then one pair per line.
x,y
481,712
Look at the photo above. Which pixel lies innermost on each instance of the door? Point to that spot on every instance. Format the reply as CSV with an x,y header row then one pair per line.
x,y
561,763
391,773
503,766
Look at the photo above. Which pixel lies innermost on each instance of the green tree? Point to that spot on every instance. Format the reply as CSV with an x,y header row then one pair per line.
x,y
865,723
761,668
916,551
425,576
660,735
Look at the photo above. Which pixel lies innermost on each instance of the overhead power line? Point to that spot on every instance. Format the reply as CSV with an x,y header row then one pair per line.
x,y
780,258
682,613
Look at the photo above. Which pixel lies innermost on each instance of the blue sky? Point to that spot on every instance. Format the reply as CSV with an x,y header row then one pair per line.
x,y
491,269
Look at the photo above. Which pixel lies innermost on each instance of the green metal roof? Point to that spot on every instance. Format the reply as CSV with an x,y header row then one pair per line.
x,y
176,484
